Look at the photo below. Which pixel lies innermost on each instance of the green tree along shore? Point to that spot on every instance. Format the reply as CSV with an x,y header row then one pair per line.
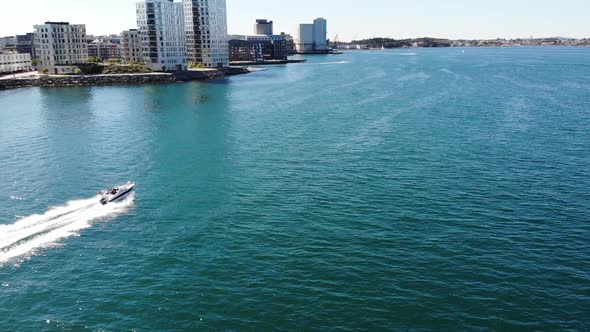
x,y
111,68
96,65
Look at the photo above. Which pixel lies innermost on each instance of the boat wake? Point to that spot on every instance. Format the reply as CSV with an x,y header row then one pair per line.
x,y
27,236
330,63
397,54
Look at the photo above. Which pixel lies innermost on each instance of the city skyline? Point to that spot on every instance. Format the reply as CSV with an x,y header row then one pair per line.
x,y
397,19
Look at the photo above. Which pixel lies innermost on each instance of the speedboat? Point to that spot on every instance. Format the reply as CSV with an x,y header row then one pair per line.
x,y
116,193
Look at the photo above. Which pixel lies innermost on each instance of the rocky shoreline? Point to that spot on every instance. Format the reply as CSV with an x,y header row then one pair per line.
x,y
118,79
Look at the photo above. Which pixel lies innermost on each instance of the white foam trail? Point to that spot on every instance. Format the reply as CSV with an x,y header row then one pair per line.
x,y
29,234
414,76
402,54
330,63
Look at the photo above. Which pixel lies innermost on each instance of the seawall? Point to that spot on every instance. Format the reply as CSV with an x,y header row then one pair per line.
x,y
266,62
118,79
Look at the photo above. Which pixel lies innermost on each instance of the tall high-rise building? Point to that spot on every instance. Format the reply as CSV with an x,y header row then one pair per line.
x,y
162,36
206,32
60,46
304,38
320,34
263,27
312,38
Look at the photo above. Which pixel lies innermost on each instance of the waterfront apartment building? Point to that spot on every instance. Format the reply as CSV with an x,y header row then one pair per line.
x,y
104,49
289,43
131,46
60,47
257,48
206,32
312,38
8,43
162,35
13,62
26,44
263,27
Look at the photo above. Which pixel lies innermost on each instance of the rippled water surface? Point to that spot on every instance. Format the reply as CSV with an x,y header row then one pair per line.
x,y
387,190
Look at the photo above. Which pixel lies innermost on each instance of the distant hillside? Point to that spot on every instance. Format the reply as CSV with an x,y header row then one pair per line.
x,y
439,42
393,43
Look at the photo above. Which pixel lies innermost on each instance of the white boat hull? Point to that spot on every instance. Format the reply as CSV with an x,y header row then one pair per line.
x,y
117,193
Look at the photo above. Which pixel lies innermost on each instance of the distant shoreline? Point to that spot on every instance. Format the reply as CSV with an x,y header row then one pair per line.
x,y
419,47
427,42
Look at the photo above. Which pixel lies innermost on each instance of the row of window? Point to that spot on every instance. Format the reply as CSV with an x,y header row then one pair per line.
x,y
60,43
61,52
172,61
15,62
64,57
61,36
70,29
15,56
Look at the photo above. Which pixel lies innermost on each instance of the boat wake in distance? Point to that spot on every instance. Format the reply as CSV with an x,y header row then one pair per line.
x,y
27,236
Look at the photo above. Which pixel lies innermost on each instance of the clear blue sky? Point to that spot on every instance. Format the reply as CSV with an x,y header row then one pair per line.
x,y
350,19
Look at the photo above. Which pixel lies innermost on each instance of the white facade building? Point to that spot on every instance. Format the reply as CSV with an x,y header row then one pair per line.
x,y
162,35
312,38
15,62
131,46
7,42
60,47
206,32
304,38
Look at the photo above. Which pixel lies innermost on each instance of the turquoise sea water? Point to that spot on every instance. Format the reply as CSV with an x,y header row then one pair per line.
x,y
441,189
